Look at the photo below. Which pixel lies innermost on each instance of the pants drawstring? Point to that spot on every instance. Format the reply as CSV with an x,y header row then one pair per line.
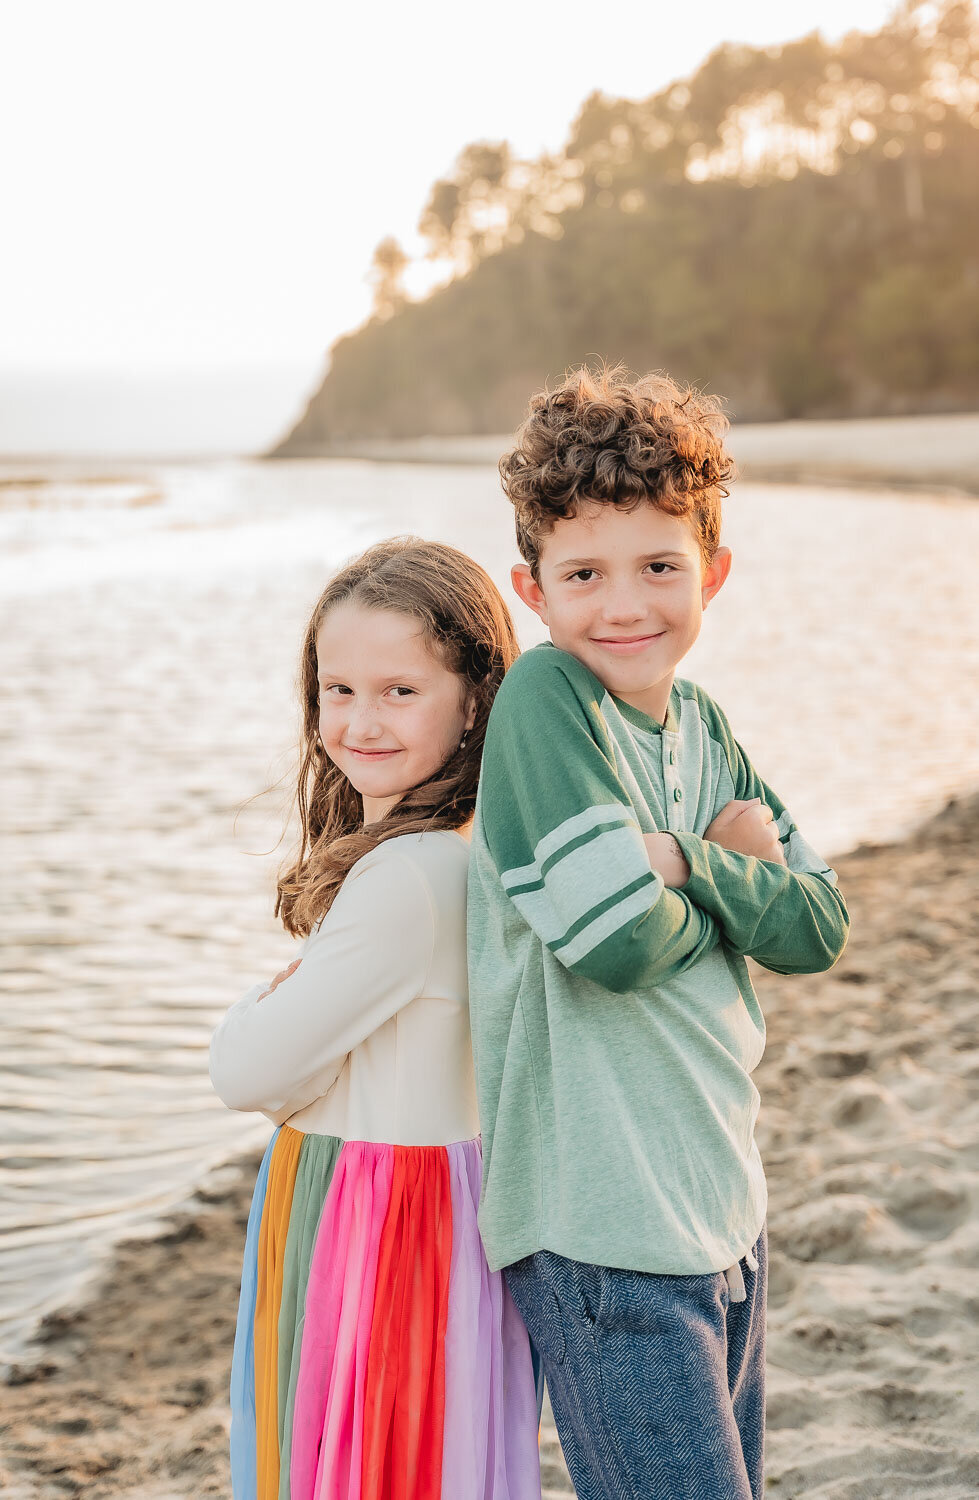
x,y
735,1278
735,1282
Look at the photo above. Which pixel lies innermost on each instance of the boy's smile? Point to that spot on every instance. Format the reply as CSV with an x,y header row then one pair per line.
x,y
624,591
626,645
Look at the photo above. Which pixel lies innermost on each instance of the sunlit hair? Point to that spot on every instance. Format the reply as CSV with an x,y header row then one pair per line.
x,y
600,436
469,629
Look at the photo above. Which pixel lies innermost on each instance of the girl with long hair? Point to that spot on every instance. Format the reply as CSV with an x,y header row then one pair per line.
x,y
376,1355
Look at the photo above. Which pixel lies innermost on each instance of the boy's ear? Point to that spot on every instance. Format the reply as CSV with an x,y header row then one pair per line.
x,y
529,590
715,575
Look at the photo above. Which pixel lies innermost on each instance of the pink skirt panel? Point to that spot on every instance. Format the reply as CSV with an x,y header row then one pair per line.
x,y
489,1445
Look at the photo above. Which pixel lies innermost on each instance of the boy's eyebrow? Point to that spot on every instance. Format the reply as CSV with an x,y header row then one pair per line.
x,y
592,562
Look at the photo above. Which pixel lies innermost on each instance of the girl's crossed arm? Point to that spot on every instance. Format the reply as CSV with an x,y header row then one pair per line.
x,y
277,1051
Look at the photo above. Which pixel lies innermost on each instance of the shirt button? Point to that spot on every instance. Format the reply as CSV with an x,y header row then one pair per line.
x,y
677,794
672,757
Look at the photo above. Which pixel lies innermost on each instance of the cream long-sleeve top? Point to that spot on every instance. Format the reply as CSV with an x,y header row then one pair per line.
x,y
369,1038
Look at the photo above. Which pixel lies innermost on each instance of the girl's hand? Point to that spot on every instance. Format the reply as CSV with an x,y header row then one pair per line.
x,y
747,828
666,858
279,977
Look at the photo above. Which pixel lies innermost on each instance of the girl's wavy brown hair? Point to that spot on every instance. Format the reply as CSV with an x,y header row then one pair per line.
x,y
470,630
600,436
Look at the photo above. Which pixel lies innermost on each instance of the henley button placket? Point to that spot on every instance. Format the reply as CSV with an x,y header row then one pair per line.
x,y
673,791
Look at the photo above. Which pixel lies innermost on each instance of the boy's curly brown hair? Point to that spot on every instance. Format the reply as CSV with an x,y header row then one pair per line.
x,y
600,436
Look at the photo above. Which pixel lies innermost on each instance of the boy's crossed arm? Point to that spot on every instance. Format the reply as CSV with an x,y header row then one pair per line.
x,y
743,827
617,906
566,842
774,898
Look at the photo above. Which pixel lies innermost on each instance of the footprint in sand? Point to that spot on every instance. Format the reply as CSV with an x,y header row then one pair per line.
x,y
891,1404
840,1062
927,1205
865,1106
843,1228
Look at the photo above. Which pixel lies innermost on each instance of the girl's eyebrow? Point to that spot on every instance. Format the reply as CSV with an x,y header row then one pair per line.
x,y
324,675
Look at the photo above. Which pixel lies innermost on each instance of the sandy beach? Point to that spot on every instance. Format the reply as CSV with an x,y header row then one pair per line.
x,y
928,453
870,1132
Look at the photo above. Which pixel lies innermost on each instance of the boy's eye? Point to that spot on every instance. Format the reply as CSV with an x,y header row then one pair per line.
x,y
660,569
584,575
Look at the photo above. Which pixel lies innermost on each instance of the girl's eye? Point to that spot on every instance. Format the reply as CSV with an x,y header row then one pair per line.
x,y
334,688
584,575
406,691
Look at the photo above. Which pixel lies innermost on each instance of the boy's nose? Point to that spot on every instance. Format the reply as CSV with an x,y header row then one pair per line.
x,y
622,606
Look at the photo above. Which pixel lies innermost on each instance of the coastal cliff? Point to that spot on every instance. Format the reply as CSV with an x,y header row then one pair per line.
x,y
794,228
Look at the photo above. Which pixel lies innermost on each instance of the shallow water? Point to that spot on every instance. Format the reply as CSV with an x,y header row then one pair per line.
x,y
149,633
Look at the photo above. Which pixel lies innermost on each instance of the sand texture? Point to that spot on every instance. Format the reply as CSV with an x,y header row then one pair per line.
x,y
870,1132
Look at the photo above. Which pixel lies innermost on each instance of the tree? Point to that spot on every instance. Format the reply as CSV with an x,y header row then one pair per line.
x,y
796,227
386,277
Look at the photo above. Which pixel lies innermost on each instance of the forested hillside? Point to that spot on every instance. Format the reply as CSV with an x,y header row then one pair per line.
x,y
797,228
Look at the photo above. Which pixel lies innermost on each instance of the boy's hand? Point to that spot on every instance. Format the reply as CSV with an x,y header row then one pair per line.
x,y
279,978
747,828
666,858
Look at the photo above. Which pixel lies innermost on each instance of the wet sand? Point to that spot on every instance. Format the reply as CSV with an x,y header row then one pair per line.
x,y
870,1133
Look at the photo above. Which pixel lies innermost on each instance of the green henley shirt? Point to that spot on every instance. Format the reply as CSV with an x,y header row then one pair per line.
x,y
614,1024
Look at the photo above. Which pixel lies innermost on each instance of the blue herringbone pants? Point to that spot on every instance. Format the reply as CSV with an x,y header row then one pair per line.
x,y
657,1383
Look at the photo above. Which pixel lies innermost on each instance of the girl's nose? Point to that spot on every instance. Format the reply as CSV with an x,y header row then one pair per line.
x,y
365,722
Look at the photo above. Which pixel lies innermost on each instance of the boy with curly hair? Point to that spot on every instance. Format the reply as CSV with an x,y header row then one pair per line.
x,y
626,859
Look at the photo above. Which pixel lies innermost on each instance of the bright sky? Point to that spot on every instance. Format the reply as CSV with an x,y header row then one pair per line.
x,y
203,182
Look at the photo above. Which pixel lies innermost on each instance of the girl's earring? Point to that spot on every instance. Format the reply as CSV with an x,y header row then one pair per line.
x,y
462,742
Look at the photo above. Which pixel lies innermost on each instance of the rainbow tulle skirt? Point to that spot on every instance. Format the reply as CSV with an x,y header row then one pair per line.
x,y
377,1357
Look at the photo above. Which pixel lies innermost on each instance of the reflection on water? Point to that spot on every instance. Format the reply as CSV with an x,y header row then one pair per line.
x,y
148,655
